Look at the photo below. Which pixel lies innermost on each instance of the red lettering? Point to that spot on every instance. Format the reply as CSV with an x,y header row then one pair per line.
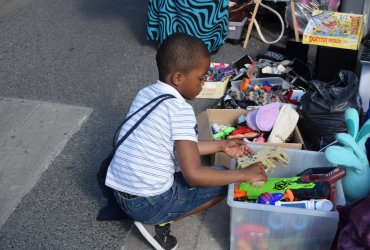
x,y
334,40
318,39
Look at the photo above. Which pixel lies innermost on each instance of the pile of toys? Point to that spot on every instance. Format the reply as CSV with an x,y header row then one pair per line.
x,y
269,123
270,89
218,72
274,89
311,189
298,191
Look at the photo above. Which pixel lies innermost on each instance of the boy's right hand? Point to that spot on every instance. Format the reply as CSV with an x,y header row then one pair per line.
x,y
255,174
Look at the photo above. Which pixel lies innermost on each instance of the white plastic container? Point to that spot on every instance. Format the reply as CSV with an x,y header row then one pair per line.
x,y
285,227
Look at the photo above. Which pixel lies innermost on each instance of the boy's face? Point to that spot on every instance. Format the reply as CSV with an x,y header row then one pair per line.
x,y
193,81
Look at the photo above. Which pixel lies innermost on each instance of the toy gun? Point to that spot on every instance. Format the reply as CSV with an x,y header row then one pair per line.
x,y
326,175
223,133
310,185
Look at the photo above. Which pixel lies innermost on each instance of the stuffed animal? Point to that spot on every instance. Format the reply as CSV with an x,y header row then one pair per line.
x,y
352,156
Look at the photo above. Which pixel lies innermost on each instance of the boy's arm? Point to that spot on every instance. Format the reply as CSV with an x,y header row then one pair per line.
x,y
211,147
232,147
198,175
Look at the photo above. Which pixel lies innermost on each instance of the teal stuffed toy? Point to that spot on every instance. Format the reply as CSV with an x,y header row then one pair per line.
x,y
352,156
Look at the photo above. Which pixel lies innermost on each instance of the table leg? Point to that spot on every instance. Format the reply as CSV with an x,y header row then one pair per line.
x,y
250,26
294,18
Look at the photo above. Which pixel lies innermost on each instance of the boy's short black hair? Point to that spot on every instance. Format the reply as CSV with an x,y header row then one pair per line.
x,y
179,52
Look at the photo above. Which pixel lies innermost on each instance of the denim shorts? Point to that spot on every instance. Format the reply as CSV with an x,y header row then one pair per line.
x,y
172,204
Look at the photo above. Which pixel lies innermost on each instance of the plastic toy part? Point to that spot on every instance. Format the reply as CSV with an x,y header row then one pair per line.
x,y
223,133
239,194
301,190
242,130
269,199
327,175
270,158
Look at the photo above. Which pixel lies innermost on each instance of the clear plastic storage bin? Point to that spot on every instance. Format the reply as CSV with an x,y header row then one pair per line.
x,y
269,227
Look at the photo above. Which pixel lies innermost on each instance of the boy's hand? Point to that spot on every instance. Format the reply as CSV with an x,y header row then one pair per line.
x,y
237,148
255,173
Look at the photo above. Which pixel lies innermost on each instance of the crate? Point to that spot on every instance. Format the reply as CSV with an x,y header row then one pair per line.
x,y
282,227
235,30
276,83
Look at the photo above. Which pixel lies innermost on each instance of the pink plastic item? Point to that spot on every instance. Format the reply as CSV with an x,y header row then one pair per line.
x,y
267,115
260,139
251,120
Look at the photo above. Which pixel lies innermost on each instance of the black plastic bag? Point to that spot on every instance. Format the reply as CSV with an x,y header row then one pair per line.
x,y
322,109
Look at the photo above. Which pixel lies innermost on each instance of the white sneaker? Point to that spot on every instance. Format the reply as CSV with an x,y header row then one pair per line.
x,y
162,240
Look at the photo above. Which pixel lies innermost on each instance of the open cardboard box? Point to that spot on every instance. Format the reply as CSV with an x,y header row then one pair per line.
x,y
229,116
214,90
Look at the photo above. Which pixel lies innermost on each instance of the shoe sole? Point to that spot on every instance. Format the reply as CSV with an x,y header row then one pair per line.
x,y
148,237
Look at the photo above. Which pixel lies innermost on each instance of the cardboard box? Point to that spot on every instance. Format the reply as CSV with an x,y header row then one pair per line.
x,y
334,29
282,227
214,90
229,116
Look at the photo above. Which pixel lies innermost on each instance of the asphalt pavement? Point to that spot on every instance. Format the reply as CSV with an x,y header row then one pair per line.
x,y
88,58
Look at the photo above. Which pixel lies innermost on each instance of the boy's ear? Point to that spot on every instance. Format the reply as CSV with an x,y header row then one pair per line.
x,y
177,78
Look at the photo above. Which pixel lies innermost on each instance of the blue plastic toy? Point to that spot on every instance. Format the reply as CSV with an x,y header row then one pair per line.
x,y
352,156
269,199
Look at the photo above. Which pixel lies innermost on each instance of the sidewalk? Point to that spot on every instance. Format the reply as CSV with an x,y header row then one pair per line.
x,y
32,133
206,231
92,55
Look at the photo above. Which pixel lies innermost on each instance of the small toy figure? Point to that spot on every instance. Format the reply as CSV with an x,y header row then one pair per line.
x,y
251,236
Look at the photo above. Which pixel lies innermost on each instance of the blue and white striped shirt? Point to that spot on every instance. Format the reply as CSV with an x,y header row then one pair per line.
x,y
146,161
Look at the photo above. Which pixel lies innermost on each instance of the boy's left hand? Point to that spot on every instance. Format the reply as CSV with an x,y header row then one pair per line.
x,y
237,148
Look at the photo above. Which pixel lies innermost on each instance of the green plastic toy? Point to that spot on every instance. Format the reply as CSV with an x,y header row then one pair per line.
x,y
223,133
275,185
